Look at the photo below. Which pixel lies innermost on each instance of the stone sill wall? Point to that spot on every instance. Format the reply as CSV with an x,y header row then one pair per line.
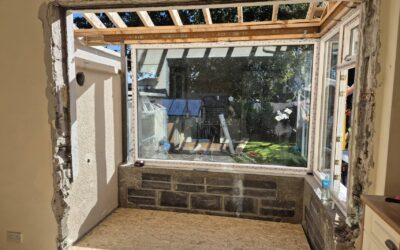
x,y
324,224
265,197
291,199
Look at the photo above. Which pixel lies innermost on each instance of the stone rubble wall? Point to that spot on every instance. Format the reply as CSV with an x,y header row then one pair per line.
x,y
265,197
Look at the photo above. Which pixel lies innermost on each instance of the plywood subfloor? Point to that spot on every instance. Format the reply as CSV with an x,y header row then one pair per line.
x,y
148,229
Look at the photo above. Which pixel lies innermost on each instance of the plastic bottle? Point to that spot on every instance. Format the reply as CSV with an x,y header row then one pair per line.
x,y
326,183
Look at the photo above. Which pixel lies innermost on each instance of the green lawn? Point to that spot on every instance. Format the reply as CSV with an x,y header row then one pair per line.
x,y
271,153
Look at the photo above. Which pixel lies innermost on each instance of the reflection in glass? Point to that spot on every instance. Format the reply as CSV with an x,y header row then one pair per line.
x,y
246,105
328,101
354,40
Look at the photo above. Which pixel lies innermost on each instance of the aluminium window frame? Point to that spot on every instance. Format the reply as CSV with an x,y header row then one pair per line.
x,y
203,165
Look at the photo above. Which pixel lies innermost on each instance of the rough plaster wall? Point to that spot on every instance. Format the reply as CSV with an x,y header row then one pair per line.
x,y
94,192
27,111
53,19
362,148
372,103
371,153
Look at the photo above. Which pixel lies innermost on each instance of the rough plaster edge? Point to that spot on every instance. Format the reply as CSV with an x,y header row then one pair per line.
x,y
361,151
53,24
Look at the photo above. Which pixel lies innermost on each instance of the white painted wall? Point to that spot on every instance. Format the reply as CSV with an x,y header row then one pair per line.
x,y
26,111
386,161
97,138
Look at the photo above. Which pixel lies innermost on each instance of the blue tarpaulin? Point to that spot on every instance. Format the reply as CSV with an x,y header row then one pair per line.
x,y
194,107
182,107
178,108
167,103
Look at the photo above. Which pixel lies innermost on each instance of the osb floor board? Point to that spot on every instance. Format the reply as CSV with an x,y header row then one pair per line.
x,y
128,228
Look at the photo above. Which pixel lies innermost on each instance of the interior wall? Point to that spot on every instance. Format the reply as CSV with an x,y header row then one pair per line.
x,y
392,185
385,122
26,111
98,137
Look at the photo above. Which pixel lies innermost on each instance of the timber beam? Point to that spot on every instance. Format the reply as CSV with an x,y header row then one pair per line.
x,y
199,33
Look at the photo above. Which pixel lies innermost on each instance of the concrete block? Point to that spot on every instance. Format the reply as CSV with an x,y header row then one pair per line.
x,y
206,202
223,190
156,185
190,188
156,177
174,199
240,204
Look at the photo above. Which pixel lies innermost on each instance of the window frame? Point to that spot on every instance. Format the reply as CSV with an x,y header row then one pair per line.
x,y
202,165
344,30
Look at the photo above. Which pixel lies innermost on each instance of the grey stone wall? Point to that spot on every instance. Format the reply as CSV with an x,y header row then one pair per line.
x,y
324,224
266,197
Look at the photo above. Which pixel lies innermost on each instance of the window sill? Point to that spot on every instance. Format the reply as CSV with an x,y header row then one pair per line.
x,y
223,167
336,198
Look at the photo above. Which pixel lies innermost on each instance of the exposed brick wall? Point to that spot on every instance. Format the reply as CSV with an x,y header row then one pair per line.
x,y
276,198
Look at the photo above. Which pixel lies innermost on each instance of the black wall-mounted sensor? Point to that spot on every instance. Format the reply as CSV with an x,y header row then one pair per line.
x,y
80,78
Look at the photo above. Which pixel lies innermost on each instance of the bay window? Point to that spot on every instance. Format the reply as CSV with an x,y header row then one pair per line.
x,y
233,104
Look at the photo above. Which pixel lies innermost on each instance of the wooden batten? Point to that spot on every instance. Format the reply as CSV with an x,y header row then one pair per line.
x,y
207,15
175,17
275,10
196,28
337,12
240,14
311,10
116,19
93,41
145,18
94,20
190,35
317,22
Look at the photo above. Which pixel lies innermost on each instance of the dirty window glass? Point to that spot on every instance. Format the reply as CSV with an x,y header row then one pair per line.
x,y
248,105
328,102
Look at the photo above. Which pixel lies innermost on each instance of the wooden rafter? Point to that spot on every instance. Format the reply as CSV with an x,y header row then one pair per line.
x,y
330,5
207,15
200,33
337,12
145,18
200,5
201,37
318,11
275,10
311,10
198,28
240,14
317,22
175,17
94,20
116,19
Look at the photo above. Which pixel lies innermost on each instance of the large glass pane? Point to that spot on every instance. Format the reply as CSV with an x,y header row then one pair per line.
x,y
246,105
328,101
